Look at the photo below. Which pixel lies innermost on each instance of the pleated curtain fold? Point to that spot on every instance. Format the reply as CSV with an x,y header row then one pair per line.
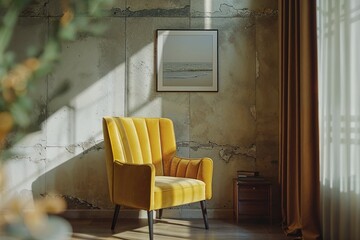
x,y
298,124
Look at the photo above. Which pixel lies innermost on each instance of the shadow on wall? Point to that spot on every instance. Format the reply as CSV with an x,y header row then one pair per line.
x,y
64,152
63,156
93,71
77,180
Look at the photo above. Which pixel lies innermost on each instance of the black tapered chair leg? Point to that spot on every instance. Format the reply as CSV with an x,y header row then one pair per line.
x,y
115,217
204,213
160,213
150,223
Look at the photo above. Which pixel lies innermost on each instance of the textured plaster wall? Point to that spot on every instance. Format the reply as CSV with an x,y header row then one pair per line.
x,y
115,74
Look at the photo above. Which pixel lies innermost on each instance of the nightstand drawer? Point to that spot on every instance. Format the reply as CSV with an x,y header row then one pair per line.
x,y
253,208
252,199
253,192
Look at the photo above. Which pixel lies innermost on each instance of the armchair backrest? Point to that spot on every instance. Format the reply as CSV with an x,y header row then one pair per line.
x,y
138,141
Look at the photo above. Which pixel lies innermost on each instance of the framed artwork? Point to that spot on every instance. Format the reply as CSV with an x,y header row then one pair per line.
x,y
187,60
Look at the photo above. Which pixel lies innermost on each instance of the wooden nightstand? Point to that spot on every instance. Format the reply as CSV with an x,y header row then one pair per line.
x,y
252,199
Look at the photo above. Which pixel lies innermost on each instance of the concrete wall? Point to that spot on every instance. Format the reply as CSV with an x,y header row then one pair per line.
x,y
115,75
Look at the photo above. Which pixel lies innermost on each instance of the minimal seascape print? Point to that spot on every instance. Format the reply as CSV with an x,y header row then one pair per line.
x,y
187,73
187,60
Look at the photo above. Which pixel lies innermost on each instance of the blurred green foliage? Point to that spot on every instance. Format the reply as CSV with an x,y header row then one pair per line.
x,y
18,78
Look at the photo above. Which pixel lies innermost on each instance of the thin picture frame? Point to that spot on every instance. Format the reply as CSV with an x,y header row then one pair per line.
x,y
187,60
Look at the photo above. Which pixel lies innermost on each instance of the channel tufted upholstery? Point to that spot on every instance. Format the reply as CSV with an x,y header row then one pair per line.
x,y
143,169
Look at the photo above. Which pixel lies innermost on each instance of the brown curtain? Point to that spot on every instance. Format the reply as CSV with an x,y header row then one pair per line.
x,y
299,137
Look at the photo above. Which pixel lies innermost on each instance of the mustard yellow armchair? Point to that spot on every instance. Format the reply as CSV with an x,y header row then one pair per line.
x,y
144,172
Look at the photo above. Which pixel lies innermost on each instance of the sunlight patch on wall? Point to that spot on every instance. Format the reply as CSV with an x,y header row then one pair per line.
x,y
150,109
207,9
69,132
80,121
141,82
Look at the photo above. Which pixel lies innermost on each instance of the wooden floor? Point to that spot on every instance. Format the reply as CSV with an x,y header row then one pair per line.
x,y
171,229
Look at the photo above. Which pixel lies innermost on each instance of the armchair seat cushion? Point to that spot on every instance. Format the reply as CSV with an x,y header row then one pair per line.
x,y
174,191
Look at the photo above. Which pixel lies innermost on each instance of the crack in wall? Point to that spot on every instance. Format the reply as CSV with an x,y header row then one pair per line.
x,y
38,154
195,145
86,147
228,10
41,8
27,158
156,12
226,152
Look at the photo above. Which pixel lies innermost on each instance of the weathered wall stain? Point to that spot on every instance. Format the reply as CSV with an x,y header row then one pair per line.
x,y
229,10
88,146
158,12
77,203
226,151
71,201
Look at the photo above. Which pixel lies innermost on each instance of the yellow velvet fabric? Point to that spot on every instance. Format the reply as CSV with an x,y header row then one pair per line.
x,y
143,170
174,191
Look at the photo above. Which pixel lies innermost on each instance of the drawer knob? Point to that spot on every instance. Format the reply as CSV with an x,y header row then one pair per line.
x,y
254,188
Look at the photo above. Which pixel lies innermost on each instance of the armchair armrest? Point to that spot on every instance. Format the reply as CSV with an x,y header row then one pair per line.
x,y
197,168
134,185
